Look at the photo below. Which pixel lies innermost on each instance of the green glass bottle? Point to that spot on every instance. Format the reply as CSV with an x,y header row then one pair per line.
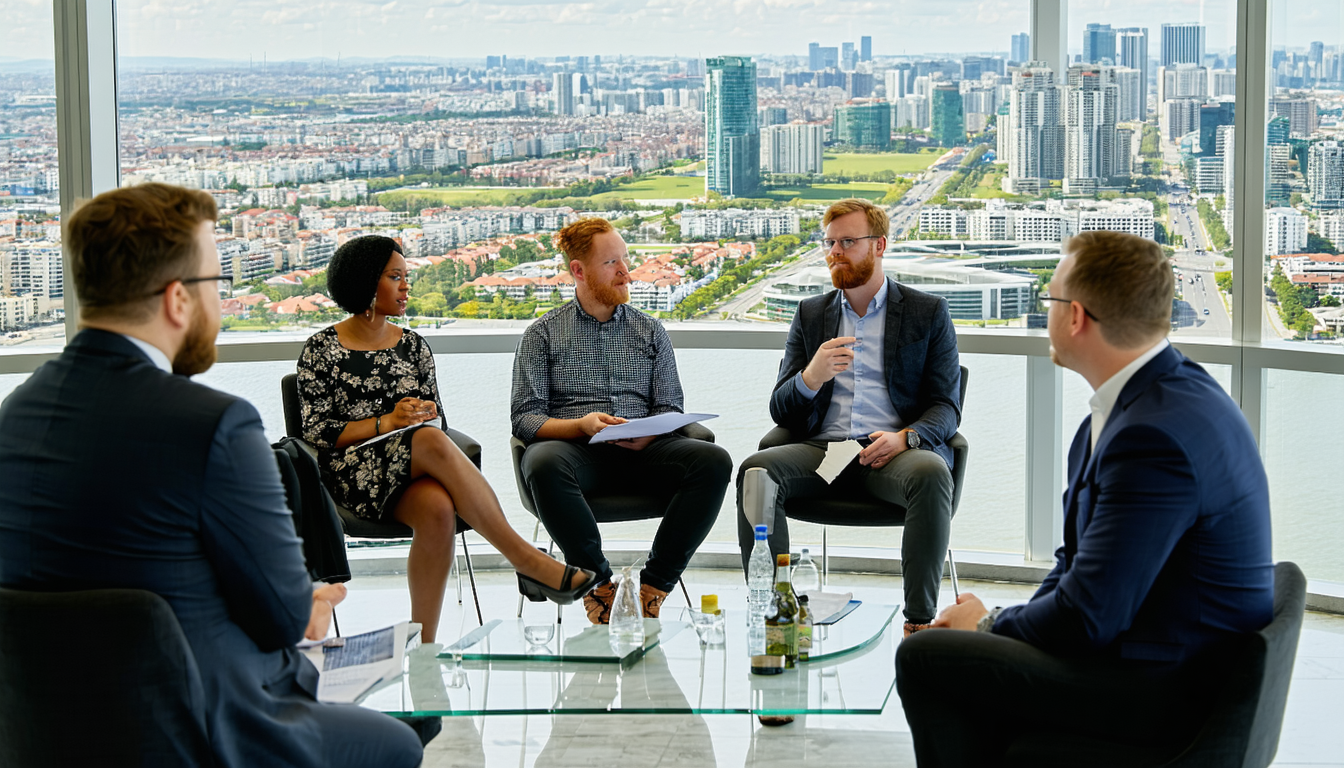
x,y
804,628
781,620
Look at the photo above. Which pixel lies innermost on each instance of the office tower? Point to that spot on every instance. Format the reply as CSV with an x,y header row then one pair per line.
x,y
1301,114
1020,50
494,62
1182,117
1131,50
814,62
1099,44
1182,44
1126,147
1285,232
1316,57
1183,83
1213,115
795,148
866,48
974,67
1223,84
732,139
910,112
900,81
1035,130
1089,128
562,93
1130,107
771,116
1277,130
1278,174
1325,174
947,116
859,85
848,57
864,123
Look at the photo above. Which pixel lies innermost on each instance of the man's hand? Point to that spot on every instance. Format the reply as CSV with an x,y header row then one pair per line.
x,y
325,600
635,443
596,422
964,615
885,447
832,357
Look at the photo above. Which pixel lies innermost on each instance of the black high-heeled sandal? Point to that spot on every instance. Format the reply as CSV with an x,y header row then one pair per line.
x,y
539,593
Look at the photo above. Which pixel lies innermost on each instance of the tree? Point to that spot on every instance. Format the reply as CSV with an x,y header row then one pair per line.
x,y
1329,301
1318,244
1224,281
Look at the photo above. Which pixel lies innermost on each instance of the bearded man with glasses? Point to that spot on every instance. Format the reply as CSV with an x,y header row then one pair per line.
x,y
873,361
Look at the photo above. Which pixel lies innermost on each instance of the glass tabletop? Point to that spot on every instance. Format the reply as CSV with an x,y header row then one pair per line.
x,y
584,643
852,671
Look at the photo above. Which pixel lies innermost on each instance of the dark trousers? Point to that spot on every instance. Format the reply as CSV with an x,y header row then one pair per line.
x,y
917,480
969,695
692,474
354,736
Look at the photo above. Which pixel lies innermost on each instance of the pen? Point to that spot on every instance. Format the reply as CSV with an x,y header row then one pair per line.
x,y
952,569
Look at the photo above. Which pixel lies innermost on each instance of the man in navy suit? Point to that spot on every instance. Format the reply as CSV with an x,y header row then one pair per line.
x,y
874,361
1166,554
120,472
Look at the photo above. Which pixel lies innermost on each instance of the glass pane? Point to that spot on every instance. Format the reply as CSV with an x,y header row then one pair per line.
x,y
1174,85
32,292
1306,493
1304,200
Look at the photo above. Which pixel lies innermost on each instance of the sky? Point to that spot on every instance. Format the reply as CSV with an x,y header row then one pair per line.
x,y
300,29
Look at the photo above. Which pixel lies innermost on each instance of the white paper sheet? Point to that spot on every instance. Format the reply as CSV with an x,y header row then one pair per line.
x,y
386,435
826,604
649,425
380,661
838,456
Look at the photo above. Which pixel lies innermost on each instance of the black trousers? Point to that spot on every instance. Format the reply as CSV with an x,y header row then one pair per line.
x,y
693,474
969,695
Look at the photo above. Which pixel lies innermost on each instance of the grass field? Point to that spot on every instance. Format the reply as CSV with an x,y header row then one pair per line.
x,y
656,188
989,185
456,196
829,193
661,188
850,164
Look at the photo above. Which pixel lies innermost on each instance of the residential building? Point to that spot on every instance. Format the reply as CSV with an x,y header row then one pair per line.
x,y
1285,231
795,148
732,139
1325,174
755,224
1182,43
562,93
1131,50
1089,128
1301,114
1035,130
1181,118
1130,104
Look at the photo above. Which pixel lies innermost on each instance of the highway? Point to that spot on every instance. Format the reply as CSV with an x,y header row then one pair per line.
x,y
1195,268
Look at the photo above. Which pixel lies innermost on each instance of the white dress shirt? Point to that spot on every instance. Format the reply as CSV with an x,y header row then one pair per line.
x,y
1103,400
156,355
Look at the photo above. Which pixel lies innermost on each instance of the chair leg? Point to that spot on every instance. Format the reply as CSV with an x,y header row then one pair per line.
x,y
825,559
471,574
458,570
334,622
684,593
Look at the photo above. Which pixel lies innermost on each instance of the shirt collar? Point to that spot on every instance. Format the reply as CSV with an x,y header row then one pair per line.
x,y
617,314
879,300
1103,400
156,355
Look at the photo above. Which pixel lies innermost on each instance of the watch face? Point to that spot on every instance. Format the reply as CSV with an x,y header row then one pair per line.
x,y
912,439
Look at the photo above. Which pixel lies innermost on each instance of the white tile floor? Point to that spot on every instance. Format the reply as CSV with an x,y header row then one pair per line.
x,y
1311,732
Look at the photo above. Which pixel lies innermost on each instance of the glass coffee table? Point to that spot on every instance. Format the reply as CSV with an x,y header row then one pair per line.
x,y
852,671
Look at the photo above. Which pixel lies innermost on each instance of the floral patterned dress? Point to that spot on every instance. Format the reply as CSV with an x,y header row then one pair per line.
x,y
339,385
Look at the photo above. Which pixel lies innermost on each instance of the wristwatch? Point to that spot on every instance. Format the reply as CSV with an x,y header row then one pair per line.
x,y
986,623
911,438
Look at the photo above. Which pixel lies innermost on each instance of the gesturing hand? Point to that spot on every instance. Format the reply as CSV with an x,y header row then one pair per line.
x,y
832,357
409,411
885,447
597,421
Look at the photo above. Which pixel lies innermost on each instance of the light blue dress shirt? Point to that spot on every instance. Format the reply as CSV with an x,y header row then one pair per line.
x,y
860,403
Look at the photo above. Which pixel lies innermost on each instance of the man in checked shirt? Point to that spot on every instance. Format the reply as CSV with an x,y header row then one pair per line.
x,y
591,363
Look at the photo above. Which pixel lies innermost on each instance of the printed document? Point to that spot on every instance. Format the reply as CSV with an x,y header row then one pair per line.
x,y
349,671
650,425
838,456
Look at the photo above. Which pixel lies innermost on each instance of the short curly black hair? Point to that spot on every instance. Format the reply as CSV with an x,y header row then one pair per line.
x,y
352,278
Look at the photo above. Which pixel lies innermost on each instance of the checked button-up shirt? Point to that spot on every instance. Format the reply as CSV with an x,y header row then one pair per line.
x,y
569,365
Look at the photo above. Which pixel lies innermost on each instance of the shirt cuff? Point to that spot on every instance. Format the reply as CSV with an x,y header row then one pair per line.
x,y
802,388
526,425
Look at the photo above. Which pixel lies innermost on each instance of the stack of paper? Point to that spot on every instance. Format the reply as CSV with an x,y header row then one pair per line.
x,y
826,605
351,669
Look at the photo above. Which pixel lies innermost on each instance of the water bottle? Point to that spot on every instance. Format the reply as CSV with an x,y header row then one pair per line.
x,y
761,583
626,627
806,578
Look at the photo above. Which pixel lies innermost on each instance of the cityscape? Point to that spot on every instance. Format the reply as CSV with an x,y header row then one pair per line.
x,y
716,170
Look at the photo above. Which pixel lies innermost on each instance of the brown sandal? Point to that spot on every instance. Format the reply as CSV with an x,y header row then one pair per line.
x,y
911,629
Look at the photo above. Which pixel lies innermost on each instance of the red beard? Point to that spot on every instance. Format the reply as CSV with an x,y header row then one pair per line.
x,y
847,274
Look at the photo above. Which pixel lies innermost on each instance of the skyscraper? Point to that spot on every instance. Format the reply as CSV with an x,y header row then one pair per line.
x,y
814,57
1211,116
848,57
864,123
1035,143
1325,174
1099,44
900,81
794,148
946,115
1131,50
1089,128
1130,107
732,138
1183,44
562,93
1020,50
866,48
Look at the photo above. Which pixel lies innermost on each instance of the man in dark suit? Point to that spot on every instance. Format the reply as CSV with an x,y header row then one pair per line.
x,y
120,472
874,361
1166,554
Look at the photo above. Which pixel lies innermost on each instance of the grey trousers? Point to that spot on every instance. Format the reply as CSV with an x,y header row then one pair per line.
x,y
917,480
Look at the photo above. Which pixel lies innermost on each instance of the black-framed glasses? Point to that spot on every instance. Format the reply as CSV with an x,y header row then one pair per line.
x,y
225,283
1088,312
846,243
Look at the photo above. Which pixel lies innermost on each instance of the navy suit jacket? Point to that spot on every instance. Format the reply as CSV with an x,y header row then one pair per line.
x,y
119,475
920,359
1166,529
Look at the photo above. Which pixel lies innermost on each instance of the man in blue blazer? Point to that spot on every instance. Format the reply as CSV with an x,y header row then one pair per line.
x,y
1166,553
873,361
120,472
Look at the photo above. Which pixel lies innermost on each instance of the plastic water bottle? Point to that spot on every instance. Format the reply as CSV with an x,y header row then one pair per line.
x,y
761,583
626,626
806,578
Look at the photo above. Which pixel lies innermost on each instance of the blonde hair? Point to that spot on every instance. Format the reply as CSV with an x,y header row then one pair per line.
x,y
575,240
1126,281
878,223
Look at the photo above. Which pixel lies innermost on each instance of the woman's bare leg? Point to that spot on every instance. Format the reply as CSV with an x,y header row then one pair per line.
x,y
428,509
434,455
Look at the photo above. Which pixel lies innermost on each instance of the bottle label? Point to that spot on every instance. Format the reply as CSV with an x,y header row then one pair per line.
x,y
804,641
781,639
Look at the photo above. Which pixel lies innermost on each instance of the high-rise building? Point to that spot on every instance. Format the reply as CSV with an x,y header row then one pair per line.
x,y
1020,50
1212,115
1182,43
1182,117
849,58
814,57
974,67
1285,232
1131,106
562,93
863,123
1229,163
1325,174
947,116
1277,130
910,112
732,138
1278,176
1036,130
766,116
1089,128
900,81
1223,84
1301,114
1099,44
1131,50
859,85
866,48
795,148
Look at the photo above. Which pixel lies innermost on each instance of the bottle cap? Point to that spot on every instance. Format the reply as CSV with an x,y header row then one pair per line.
x,y
804,551
762,531
781,561
802,598
709,603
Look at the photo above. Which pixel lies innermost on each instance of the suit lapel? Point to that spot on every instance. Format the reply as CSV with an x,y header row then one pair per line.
x,y
891,335
1080,459
831,321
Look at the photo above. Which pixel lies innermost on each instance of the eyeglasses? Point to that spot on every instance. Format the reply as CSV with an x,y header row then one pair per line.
x,y
225,283
1088,312
847,243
